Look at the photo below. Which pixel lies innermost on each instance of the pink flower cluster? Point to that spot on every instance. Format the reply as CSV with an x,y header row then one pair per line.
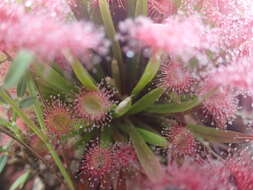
x,y
234,173
177,35
237,75
47,37
57,9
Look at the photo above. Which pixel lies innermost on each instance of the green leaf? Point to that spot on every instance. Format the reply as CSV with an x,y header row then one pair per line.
x,y
110,29
116,73
148,75
178,3
141,8
3,162
21,88
218,135
152,138
45,89
146,101
123,107
52,78
148,160
27,102
106,137
173,107
83,75
20,181
18,68
37,105
131,7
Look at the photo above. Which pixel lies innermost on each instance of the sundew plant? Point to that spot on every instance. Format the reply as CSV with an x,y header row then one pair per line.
x,y
126,94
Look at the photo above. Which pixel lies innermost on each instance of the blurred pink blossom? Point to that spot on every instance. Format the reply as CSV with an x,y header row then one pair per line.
x,y
191,176
158,10
175,77
238,75
47,37
57,9
221,104
179,36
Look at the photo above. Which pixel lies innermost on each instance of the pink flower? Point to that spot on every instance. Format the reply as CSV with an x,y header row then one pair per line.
x,y
58,118
234,32
175,77
232,22
191,176
158,10
181,139
178,36
47,37
125,156
57,9
98,162
97,167
238,75
221,104
4,67
218,11
241,171
94,106
233,19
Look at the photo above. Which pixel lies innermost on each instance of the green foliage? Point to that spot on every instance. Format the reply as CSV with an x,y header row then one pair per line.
x,y
152,138
46,75
83,75
131,7
141,8
174,107
147,100
21,87
110,29
148,74
20,181
18,68
27,102
218,135
3,162
123,107
148,160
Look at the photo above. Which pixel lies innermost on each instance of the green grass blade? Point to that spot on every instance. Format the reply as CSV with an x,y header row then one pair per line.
x,y
123,107
83,75
153,138
148,160
110,29
146,101
20,181
141,8
219,135
174,107
18,68
148,75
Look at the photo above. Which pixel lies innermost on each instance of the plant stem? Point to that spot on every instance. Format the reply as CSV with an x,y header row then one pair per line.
x,y
110,29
